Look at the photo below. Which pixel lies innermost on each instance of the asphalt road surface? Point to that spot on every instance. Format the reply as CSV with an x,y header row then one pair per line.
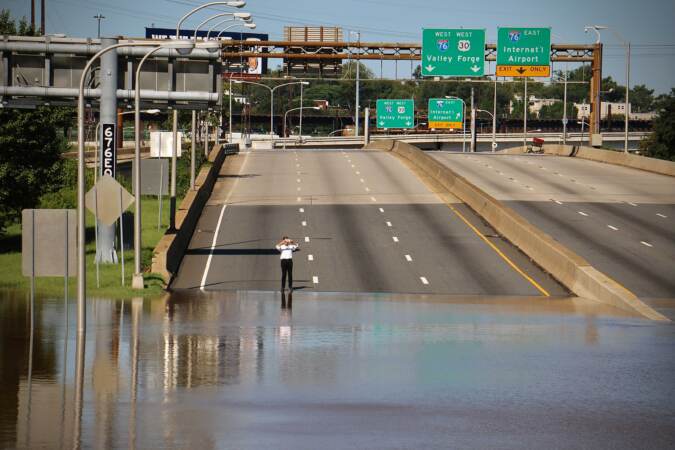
x,y
621,220
364,222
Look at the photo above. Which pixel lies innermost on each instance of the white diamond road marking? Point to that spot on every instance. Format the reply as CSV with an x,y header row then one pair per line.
x,y
408,258
646,243
662,215
424,280
310,257
388,224
315,279
612,227
583,213
306,238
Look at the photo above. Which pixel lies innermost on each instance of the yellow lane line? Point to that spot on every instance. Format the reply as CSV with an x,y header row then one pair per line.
x,y
499,252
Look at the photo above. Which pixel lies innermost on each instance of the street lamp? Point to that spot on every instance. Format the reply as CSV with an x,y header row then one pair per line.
x,y
358,79
237,15
241,22
271,89
232,4
300,108
137,279
81,255
494,137
596,29
463,120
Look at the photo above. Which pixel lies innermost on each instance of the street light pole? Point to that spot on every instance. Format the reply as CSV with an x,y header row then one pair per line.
x,y
494,137
358,85
627,106
494,117
565,108
300,108
463,120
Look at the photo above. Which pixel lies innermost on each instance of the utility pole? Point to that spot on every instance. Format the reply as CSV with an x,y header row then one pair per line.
x,y
32,15
526,106
42,17
473,122
98,17
564,121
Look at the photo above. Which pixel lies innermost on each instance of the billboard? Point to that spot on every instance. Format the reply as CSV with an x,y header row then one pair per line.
x,y
255,66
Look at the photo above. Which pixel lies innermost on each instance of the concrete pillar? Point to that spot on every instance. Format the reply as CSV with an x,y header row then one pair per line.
x,y
108,114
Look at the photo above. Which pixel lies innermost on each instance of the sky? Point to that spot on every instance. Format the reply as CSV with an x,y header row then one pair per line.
x,y
647,24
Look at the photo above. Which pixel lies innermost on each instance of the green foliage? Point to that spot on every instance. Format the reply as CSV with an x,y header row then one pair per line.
x,y
8,25
661,143
30,159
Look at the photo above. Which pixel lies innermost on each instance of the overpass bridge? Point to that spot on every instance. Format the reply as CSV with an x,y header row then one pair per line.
x,y
366,221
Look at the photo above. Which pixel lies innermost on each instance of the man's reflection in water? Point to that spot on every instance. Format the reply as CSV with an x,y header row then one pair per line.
x,y
287,300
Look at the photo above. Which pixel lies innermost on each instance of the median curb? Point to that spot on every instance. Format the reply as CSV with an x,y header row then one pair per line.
x,y
573,271
170,249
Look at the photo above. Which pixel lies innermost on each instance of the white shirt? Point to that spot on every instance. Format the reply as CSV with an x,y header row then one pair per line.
x,y
287,250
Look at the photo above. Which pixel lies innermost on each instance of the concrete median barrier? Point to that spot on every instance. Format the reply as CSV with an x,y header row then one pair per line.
x,y
573,271
653,165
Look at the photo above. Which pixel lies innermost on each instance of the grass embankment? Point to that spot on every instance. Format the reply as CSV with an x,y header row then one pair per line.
x,y
110,275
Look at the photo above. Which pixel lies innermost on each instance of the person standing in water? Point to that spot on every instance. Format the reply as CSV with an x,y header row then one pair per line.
x,y
287,246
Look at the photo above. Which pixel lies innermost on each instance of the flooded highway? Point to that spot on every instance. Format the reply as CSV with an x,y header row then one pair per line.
x,y
253,370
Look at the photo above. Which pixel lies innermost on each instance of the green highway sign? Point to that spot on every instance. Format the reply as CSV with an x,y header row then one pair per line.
x,y
524,52
395,113
453,53
446,113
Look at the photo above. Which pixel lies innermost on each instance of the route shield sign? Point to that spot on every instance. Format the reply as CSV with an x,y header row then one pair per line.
x,y
395,113
446,113
524,52
453,53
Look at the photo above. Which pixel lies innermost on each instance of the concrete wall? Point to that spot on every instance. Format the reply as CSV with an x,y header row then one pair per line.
x,y
570,269
169,252
654,165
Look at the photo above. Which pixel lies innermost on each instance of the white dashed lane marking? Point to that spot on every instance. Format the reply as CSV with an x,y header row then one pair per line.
x,y
373,199
395,238
310,257
381,210
424,280
646,243
302,210
315,280
558,202
612,227
388,224
663,216
304,224
306,238
583,213
408,258
632,204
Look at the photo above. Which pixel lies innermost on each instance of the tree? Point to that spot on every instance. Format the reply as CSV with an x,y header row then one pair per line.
x,y
661,143
641,98
30,148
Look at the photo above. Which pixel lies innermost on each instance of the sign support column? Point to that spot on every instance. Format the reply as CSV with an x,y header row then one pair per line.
x,y
105,252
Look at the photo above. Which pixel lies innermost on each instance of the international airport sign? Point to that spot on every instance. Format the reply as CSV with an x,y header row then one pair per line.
x,y
524,52
453,52
395,113
446,113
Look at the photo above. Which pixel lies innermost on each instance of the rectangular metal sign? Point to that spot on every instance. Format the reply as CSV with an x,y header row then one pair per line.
x,y
108,149
453,52
395,113
48,242
154,176
523,52
446,113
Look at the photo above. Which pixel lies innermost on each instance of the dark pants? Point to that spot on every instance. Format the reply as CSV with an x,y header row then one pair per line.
x,y
287,269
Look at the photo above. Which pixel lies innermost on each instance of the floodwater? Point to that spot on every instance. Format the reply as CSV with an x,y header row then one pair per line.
x,y
335,371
